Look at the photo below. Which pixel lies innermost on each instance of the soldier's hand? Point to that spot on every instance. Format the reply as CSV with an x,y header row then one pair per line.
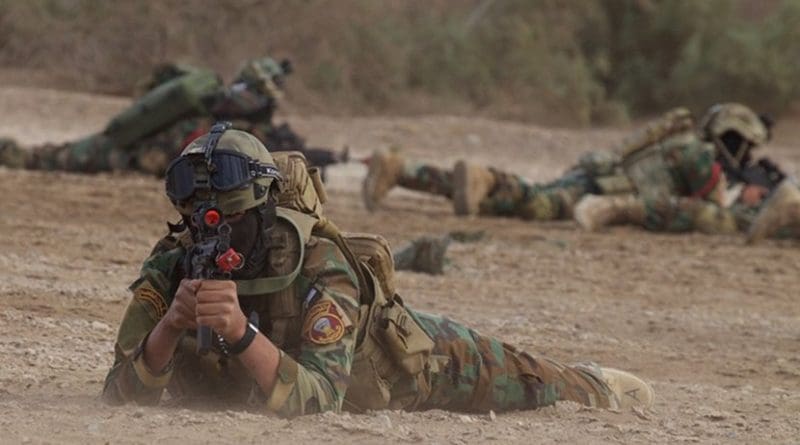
x,y
753,194
181,313
218,308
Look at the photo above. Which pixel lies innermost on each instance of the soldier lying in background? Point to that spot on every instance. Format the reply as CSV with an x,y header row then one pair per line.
x,y
735,131
662,176
177,104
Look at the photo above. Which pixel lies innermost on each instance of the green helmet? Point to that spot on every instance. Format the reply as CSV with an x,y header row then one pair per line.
x,y
722,118
235,171
265,74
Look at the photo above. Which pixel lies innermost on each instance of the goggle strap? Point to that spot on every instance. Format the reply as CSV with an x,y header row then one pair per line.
x,y
258,170
214,135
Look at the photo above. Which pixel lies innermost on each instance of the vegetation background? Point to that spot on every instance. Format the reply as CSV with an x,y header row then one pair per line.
x,y
573,62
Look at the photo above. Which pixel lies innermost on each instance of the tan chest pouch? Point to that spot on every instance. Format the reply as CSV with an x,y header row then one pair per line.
x,y
394,349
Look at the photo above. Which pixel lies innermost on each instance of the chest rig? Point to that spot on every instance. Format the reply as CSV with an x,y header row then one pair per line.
x,y
645,158
392,350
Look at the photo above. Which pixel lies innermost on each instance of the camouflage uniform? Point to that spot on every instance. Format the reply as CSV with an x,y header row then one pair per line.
x,y
249,103
690,166
466,371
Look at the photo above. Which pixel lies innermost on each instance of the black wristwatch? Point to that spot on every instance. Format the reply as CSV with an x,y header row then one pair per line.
x,y
250,332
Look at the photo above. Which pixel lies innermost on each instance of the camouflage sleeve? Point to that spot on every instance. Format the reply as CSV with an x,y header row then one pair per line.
x,y
316,379
696,168
129,379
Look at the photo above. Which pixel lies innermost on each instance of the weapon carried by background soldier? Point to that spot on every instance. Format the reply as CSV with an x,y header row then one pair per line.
x,y
177,104
334,333
669,175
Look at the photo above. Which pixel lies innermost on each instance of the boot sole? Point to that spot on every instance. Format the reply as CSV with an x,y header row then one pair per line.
x,y
460,189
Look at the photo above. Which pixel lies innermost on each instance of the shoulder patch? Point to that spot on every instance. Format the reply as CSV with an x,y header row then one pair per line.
x,y
324,324
150,299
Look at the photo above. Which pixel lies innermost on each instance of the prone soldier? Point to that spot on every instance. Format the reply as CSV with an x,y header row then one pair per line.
x,y
668,175
177,104
333,333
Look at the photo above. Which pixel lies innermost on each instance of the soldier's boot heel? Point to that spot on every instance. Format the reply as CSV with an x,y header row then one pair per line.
x,y
594,212
471,184
629,390
780,210
384,172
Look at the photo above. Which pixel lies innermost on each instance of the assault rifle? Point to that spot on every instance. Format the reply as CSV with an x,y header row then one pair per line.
x,y
764,173
211,256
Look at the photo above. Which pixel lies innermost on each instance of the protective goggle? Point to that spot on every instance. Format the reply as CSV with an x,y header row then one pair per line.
x,y
226,170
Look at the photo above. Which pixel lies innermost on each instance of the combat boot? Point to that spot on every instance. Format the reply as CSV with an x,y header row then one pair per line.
x,y
471,184
624,389
629,390
780,210
425,254
11,154
594,212
384,172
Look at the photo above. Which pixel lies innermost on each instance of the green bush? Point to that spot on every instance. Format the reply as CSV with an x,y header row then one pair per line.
x,y
570,61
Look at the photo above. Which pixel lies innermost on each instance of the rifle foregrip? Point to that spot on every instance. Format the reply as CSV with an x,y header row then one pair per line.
x,y
204,340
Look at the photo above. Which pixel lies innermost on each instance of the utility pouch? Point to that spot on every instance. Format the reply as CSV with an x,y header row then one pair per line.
x,y
372,371
406,343
614,185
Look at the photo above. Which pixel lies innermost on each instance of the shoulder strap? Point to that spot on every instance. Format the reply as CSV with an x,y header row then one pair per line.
x,y
303,225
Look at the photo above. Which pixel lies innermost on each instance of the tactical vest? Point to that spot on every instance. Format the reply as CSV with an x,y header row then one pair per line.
x,y
643,157
391,346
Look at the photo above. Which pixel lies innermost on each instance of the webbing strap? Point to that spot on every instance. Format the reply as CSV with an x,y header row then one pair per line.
x,y
268,285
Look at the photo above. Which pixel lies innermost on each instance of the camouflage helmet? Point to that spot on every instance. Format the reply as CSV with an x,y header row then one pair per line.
x,y
236,173
722,118
265,74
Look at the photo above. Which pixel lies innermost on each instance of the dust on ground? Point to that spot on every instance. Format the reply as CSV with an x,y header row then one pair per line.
x,y
713,324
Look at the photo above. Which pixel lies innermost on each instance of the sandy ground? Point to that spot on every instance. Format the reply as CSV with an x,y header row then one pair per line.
x,y
713,324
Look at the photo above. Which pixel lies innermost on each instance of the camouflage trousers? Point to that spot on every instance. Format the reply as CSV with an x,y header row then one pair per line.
x,y
680,215
98,153
692,214
428,179
511,195
151,155
476,373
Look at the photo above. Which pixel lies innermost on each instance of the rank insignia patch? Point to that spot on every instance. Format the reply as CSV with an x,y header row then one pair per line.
x,y
323,324
151,300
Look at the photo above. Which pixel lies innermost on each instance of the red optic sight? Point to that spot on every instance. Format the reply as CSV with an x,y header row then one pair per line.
x,y
211,218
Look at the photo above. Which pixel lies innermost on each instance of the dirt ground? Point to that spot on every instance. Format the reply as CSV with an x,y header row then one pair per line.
x,y
713,324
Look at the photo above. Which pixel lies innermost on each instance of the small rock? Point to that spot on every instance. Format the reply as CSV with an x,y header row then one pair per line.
x,y
492,416
385,421
465,419
100,326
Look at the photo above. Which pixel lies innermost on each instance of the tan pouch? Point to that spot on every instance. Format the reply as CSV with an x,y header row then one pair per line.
x,y
374,251
407,344
300,188
371,367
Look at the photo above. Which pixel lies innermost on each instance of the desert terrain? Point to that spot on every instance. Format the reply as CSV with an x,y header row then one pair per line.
x,y
712,324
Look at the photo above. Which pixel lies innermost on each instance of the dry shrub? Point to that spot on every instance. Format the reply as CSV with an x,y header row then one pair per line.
x,y
561,61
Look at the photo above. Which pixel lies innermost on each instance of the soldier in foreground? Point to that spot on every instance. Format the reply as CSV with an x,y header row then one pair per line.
x,y
661,177
177,104
304,318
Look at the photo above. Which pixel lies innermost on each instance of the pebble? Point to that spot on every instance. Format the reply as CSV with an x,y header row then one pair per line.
x,y
100,326
385,421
